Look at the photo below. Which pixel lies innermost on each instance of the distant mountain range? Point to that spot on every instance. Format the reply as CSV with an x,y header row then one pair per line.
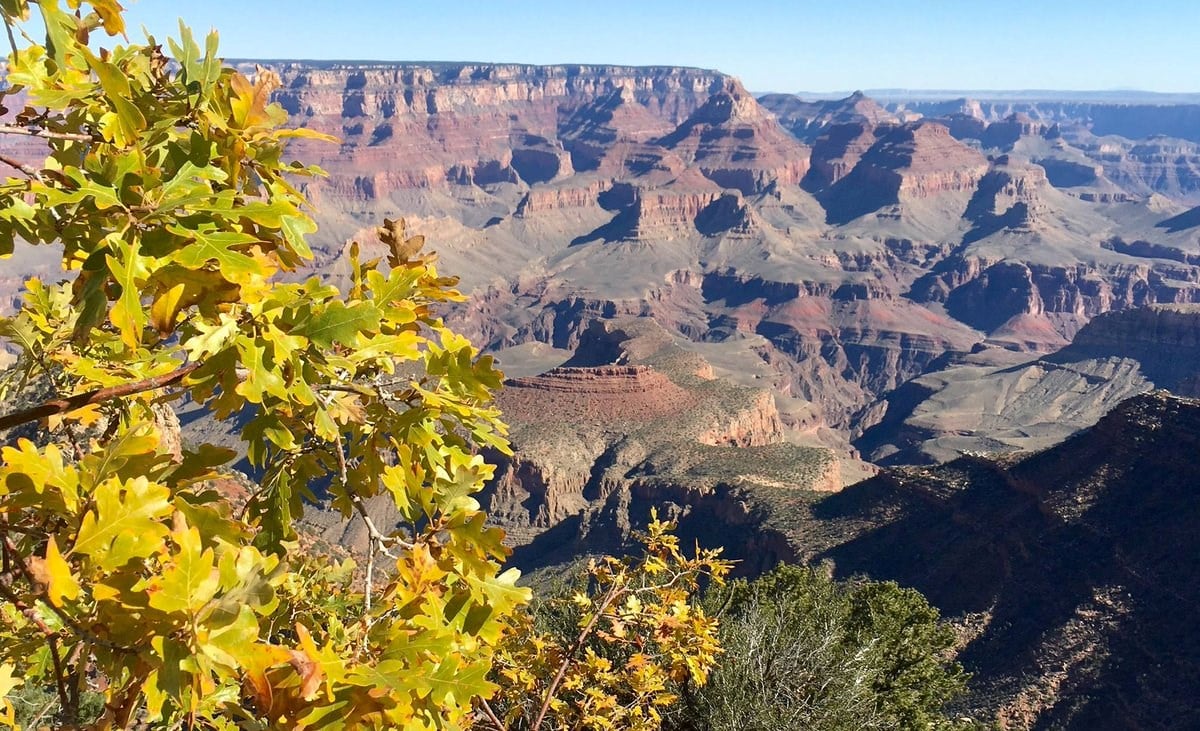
x,y
1108,96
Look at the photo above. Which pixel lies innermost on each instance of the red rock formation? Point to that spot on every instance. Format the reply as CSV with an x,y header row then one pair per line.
x,y
561,197
738,144
756,425
910,161
836,152
1009,197
603,394
413,126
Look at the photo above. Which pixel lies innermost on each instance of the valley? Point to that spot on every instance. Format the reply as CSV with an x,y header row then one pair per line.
x,y
949,342
730,308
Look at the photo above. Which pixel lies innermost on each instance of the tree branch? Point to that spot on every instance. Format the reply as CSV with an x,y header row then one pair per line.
x,y
491,715
26,169
616,590
12,41
98,396
9,129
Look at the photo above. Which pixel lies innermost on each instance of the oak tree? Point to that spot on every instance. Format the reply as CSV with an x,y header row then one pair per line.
x,y
167,192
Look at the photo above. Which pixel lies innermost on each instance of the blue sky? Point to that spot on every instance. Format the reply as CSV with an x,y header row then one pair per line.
x,y
773,45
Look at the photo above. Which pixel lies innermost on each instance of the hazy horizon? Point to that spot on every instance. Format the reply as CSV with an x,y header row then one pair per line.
x,y
769,45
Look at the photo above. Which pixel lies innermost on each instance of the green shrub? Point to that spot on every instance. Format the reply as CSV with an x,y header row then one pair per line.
x,y
802,651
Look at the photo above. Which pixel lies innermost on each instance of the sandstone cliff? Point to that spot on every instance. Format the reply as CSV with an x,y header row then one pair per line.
x,y
912,161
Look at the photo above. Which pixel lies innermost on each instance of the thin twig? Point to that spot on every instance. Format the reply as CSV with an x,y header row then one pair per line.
x,y
60,680
551,689
361,508
98,396
10,129
376,541
491,715
12,41
344,478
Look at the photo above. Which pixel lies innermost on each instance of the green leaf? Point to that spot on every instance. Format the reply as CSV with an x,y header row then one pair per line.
x,y
123,125
129,270
339,324
295,228
262,378
211,338
219,247
231,643
188,187
125,524
453,683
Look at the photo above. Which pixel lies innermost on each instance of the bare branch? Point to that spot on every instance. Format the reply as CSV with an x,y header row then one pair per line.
x,y
10,129
29,171
98,396
361,507
12,41
491,715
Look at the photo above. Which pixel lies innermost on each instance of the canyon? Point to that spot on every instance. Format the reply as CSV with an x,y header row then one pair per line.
x,y
892,335
865,283
880,281
850,246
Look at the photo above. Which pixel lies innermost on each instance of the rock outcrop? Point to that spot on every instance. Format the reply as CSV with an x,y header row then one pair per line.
x,y
912,161
809,120
992,402
420,126
587,437
735,143
837,151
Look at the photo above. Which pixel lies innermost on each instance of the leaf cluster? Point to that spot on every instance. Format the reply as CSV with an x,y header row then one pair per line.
x,y
615,652
127,570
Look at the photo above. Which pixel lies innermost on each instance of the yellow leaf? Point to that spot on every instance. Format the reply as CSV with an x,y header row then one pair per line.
x,y
307,664
191,580
165,309
86,416
125,522
7,682
61,583
104,592
110,14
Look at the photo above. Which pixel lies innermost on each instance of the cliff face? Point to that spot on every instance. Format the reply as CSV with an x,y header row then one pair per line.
x,y
988,294
1070,570
737,144
837,151
415,126
1132,121
911,161
809,120
1164,339
1015,403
